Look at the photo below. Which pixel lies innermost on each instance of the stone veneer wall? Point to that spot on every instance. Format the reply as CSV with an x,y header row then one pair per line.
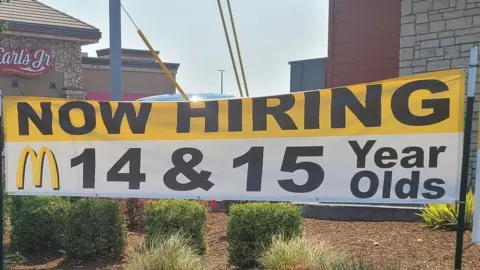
x,y
75,93
438,35
67,57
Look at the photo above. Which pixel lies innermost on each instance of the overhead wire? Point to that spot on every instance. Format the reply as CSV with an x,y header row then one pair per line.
x,y
238,47
156,56
230,47
170,76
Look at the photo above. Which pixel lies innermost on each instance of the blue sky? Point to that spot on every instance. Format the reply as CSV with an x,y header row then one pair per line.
x,y
271,33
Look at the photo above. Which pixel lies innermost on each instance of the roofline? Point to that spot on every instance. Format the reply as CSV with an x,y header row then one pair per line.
x,y
126,52
64,31
307,60
70,16
128,63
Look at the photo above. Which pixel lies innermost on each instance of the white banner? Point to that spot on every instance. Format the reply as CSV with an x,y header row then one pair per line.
x,y
336,169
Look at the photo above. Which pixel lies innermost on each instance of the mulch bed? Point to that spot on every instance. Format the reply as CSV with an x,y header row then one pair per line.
x,y
384,242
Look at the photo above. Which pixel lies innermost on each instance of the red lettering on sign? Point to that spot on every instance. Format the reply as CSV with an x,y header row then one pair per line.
x,y
25,61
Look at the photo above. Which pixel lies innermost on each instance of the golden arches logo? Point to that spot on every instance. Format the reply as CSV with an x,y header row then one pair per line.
x,y
38,159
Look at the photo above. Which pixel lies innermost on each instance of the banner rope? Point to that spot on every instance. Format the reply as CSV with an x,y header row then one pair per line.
x,y
155,55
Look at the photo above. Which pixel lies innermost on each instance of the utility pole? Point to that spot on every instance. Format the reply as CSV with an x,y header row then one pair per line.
x,y
221,80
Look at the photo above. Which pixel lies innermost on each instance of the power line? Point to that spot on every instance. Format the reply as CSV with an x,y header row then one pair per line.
x,y
229,47
238,48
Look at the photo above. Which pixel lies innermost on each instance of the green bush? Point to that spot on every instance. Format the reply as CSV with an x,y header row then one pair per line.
x,y
252,226
173,253
96,227
229,204
165,217
7,205
445,216
38,223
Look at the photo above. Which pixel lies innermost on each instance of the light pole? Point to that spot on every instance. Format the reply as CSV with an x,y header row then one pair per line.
x,y
221,80
115,50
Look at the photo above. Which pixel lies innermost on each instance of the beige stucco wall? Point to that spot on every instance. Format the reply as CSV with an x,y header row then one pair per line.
x,y
152,81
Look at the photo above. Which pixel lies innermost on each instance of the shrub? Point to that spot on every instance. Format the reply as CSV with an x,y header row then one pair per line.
x,y
445,216
38,223
135,214
6,202
252,226
298,253
133,209
170,216
173,252
229,204
96,228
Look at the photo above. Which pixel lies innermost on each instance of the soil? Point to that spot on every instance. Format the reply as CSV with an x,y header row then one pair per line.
x,y
383,242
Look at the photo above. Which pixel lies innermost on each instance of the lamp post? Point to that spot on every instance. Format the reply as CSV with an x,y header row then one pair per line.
x,y
221,80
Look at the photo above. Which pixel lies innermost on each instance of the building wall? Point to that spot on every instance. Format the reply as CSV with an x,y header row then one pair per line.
x,y
363,41
307,75
67,59
438,35
32,86
136,82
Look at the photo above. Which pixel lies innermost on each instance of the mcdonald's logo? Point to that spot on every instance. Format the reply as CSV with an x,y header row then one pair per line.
x,y
38,160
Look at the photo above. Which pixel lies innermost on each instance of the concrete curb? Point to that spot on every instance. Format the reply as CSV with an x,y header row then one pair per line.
x,y
352,212
376,213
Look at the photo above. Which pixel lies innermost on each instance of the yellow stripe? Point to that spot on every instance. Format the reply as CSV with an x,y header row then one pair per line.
x,y
162,122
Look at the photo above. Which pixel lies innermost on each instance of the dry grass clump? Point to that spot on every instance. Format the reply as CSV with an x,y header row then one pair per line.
x,y
167,253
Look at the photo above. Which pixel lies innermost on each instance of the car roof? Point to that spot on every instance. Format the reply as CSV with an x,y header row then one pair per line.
x,y
179,97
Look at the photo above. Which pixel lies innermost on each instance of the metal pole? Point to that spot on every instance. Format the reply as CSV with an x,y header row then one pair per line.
x,y
115,51
476,213
465,159
221,80
2,206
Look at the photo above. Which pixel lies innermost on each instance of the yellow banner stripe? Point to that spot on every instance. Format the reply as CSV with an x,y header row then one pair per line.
x,y
375,108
